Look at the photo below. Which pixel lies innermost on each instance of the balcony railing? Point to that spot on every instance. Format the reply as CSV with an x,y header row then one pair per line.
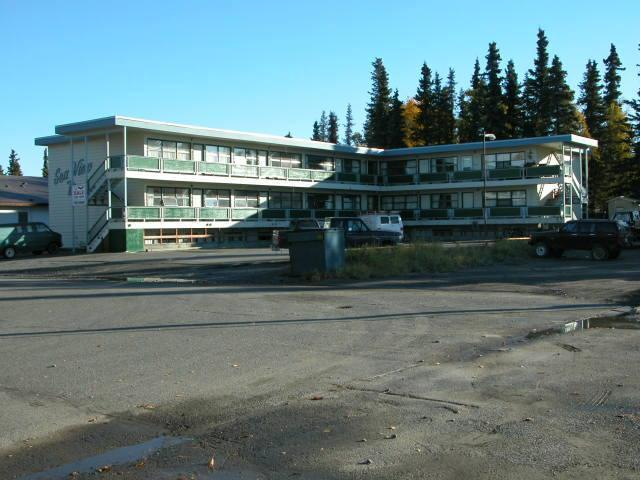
x,y
188,167
213,214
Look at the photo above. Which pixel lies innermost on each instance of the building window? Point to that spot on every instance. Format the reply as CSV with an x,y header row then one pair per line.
x,y
245,156
505,160
285,160
168,197
285,200
372,167
351,202
444,200
447,164
351,166
400,202
154,148
401,167
23,217
517,198
245,199
168,149
315,162
216,198
321,201
198,151
466,163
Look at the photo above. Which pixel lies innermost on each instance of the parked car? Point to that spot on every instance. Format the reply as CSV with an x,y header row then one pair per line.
x,y
604,238
280,237
384,221
357,233
28,237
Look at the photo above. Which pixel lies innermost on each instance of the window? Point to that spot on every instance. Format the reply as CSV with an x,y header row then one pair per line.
x,y
216,198
316,162
154,148
372,203
372,167
351,202
184,151
505,160
168,149
384,220
586,227
168,197
570,227
400,202
466,163
350,166
395,220
467,200
401,167
516,198
321,201
606,227
447,164
197,153
356,226
245,199
286,160
41,227
285,200
444,200
224,154
23,217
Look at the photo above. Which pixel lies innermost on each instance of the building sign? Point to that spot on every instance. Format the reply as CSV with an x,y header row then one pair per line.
x,y
78,195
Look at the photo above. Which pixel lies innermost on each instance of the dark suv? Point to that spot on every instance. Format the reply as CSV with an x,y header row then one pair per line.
x,y
602,237
357,234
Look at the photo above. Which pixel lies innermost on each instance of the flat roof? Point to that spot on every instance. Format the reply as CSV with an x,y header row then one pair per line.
x,y
66,131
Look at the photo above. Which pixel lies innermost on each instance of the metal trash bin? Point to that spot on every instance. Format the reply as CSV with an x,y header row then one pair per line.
x,y
316,250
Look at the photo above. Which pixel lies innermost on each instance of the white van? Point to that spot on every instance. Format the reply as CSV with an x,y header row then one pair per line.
x,y
390,222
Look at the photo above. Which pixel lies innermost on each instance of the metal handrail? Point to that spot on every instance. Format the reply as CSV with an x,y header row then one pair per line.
x,y
100,223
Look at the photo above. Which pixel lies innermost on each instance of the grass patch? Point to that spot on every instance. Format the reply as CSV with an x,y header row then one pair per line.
x,y
364,263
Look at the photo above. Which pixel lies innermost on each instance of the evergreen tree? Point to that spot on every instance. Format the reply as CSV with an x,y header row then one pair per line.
x,y
564,112
358,140
424,100
375,128
448,107
332,132
635,118
613,65
591,101
396,125
434,130
620,168
495,104
316,132
45,163
512,103
324,127
537,94
14,164
1,170
472,107
411,112
348,126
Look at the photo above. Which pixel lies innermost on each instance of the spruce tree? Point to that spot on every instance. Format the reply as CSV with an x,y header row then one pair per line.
x,y
316,132
616,151
537,94
613,65
635,119
495,105
375,128
396,125
14,164
435,128
591,101
358,139
324,127
424,100
513,103
473,107
564,117
332,131
45,163
448,107
1,170
348,126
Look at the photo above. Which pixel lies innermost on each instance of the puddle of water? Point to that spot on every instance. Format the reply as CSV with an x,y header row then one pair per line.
x,y
117,456
618,322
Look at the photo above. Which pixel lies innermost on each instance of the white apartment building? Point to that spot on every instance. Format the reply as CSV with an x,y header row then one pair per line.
x,y
153,184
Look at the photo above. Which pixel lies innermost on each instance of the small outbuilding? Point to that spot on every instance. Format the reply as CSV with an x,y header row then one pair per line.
x,y
24,199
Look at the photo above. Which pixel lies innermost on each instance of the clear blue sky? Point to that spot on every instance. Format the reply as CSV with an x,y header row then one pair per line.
x,y
267,66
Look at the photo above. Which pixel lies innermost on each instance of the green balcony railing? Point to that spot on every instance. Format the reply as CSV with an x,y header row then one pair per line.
x,y
434,177
271,213
179,213
467,175
273,172
207,168
213,213
434,213
299,174
320,214
543,171
399,179
505,173
244,213
347,177
301,213
178,166
544,211
136,162
467,213
244,170
320,175
144,213
504,212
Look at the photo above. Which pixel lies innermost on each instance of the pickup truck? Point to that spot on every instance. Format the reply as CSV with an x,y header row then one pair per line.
x,y
280,237
357,233
603,238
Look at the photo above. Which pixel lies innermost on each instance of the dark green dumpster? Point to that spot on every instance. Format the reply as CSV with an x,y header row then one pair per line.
x,y
316,250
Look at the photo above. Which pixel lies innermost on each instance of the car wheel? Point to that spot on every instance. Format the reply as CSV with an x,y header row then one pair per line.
x,y
541,250
598,252
9,253
52,248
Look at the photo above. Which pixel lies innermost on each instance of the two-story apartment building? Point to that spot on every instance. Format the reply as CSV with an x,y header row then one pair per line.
x,y
152,183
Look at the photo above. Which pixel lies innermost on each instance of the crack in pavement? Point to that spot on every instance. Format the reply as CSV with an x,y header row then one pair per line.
x,y
405,395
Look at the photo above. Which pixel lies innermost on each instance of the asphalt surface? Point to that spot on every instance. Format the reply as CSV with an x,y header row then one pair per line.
x,y
235,362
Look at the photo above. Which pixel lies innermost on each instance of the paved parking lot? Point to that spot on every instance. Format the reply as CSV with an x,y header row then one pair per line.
x,y
236,361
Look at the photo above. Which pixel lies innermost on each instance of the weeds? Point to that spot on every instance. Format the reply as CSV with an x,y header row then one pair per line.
x,y
367,263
